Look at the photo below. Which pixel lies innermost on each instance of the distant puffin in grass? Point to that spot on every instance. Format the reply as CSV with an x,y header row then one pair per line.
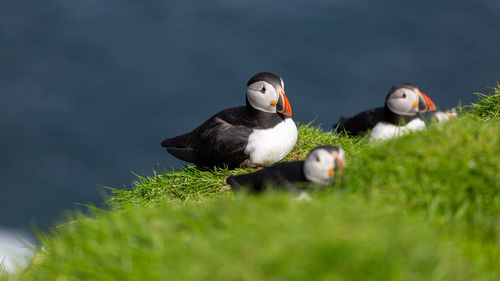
x,y
258,134
319,167
440,116
399,115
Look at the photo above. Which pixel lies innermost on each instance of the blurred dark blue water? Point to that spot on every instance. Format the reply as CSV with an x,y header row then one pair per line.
x,y
88,89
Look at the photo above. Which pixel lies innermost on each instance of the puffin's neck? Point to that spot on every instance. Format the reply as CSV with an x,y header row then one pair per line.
x,y
397,119
261,115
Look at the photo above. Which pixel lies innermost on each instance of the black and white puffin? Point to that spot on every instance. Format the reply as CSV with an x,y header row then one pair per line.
x,y
440,116
258,134
399,115
319,167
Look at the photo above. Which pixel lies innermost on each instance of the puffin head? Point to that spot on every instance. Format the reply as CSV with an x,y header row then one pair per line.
x,y
265,93
322,163
406,99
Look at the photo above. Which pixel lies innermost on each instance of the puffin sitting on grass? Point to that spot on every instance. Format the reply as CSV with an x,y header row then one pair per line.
x,y
440,116
319,167
399,115
258,134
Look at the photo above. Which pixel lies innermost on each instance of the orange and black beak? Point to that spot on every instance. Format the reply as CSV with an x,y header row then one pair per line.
x,y
283,105
425,104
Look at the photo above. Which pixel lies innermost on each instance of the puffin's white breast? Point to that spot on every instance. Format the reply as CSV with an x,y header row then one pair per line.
x,y
268,146
383,130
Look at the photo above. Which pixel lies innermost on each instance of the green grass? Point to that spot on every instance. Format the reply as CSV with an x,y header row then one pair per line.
x,y
425,206
273,237
451,171
486,107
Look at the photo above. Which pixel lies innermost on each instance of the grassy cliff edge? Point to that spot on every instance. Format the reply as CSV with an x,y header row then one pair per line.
x,y
425,206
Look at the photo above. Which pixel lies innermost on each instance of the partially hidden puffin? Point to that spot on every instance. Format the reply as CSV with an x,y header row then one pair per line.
x,y
399,115
258,134
440,116
319,167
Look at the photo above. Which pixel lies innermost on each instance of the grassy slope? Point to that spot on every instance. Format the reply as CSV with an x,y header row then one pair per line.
x,y
269,237
423,207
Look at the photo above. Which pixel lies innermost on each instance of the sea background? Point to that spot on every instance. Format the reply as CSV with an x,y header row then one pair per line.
x,y
89,89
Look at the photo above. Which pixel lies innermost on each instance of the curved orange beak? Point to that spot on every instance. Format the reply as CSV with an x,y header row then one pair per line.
x,y
425,104
283,105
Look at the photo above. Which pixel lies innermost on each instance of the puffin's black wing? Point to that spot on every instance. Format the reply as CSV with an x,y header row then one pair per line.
x,y
215,143
361,122
282,175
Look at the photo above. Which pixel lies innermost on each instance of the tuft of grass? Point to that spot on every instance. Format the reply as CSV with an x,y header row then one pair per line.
x,y
190,183
486,107
272,237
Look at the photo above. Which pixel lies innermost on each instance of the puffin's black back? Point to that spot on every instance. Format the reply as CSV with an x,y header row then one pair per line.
x,y
222,139
367,119
282,175
361,122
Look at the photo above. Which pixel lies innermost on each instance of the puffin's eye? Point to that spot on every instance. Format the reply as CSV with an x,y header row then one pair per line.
x,y
263,90
403,96
316,158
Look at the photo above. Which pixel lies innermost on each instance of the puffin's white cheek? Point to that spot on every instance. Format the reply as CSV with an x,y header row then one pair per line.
x,y
260,101
321,172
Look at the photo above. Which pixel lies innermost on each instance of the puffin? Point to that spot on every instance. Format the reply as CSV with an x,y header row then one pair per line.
x,y
399,115
440,116
258,134
320,167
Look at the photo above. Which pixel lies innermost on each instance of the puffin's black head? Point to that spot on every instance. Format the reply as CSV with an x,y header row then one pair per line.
x,y
269,77
265,93
407,100
322,162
